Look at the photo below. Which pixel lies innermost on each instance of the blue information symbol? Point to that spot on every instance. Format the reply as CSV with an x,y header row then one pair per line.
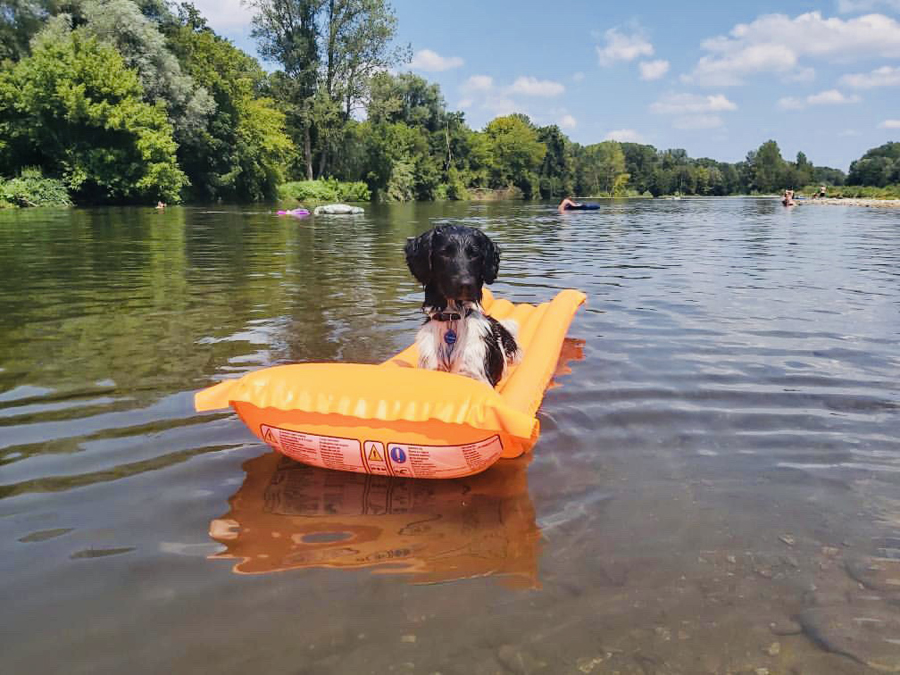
x,y
398,455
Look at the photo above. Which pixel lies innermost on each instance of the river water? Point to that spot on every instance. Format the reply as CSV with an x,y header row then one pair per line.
x,y
716,488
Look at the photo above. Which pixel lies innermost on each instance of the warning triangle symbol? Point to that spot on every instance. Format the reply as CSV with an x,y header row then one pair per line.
x,y
269,437
374,455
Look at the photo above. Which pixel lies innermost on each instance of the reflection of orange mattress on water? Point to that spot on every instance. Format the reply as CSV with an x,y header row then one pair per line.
x,y
288,515
396,419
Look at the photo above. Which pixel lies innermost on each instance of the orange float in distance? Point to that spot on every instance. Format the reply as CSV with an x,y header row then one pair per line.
x,y
396,419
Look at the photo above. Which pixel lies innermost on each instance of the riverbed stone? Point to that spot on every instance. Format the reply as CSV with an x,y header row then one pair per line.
x,y
519,661
870,636
785,627
879,574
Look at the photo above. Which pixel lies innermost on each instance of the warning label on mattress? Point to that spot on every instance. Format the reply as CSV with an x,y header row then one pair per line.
x,y
443,461
328,452
396,459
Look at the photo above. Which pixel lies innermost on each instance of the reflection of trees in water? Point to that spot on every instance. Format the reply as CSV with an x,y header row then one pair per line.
x,y
288,515
159,301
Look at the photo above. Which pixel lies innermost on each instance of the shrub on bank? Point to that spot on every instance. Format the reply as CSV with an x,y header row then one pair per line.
x,y
856,191
327,190
32,189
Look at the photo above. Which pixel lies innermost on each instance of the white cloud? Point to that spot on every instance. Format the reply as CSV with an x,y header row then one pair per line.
x,y
432,62
500,105
653,70
886,76
531,86
890,124
480,93
577,77
776,43
478,83
568,122
225,15
697,122
791,103
680,104
800,75
852,6
829,97
622,47
624,136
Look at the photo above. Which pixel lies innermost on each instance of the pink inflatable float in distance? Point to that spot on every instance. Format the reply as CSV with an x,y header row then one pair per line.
x,y
297,213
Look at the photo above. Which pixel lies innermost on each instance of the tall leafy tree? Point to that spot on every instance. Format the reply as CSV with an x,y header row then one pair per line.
x,y
766,167
75,109
557,169
879,166
602,169
138,39
20,20
240,154
328,51
516,153
287,32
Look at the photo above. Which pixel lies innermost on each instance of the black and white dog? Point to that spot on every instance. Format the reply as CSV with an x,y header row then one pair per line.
x,y
453,263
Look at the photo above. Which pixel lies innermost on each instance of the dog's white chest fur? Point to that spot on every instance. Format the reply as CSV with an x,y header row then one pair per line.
x,y
465,352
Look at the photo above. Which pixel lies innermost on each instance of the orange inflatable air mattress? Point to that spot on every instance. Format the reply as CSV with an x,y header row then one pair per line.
x,y
396,419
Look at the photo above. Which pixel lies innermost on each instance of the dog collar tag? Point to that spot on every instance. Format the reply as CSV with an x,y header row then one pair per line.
x,y
450,337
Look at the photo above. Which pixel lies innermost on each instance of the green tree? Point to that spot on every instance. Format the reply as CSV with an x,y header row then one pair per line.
x,y
139,41
357,45
558,168
515,153
328,50
20,20
804,170
766,167
75,109
878,167
286,31
406,98
241,153
602,169
640,161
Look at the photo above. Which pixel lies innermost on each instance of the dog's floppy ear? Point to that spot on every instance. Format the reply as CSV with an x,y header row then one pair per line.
x,y
418,256
491,258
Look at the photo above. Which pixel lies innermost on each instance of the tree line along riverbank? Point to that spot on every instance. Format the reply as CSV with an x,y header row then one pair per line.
x,y
134,101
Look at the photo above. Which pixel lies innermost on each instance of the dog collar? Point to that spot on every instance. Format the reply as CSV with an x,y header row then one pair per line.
x,y
446,316
449,316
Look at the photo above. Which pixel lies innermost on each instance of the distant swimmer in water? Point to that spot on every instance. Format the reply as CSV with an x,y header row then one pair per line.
x,y
567,203
788,198
160,205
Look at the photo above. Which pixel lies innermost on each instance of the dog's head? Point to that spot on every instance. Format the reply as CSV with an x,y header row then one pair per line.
x,y
453,260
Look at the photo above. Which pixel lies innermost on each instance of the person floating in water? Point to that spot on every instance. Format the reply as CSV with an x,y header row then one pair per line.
x,y
788,198
568,203
160,205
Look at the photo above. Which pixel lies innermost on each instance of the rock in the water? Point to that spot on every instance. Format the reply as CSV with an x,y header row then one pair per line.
x,y
519,661
871,635
879,574
785,627
337,210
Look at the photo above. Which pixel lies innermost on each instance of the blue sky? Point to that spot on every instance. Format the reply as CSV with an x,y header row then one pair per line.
x,y
715,78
